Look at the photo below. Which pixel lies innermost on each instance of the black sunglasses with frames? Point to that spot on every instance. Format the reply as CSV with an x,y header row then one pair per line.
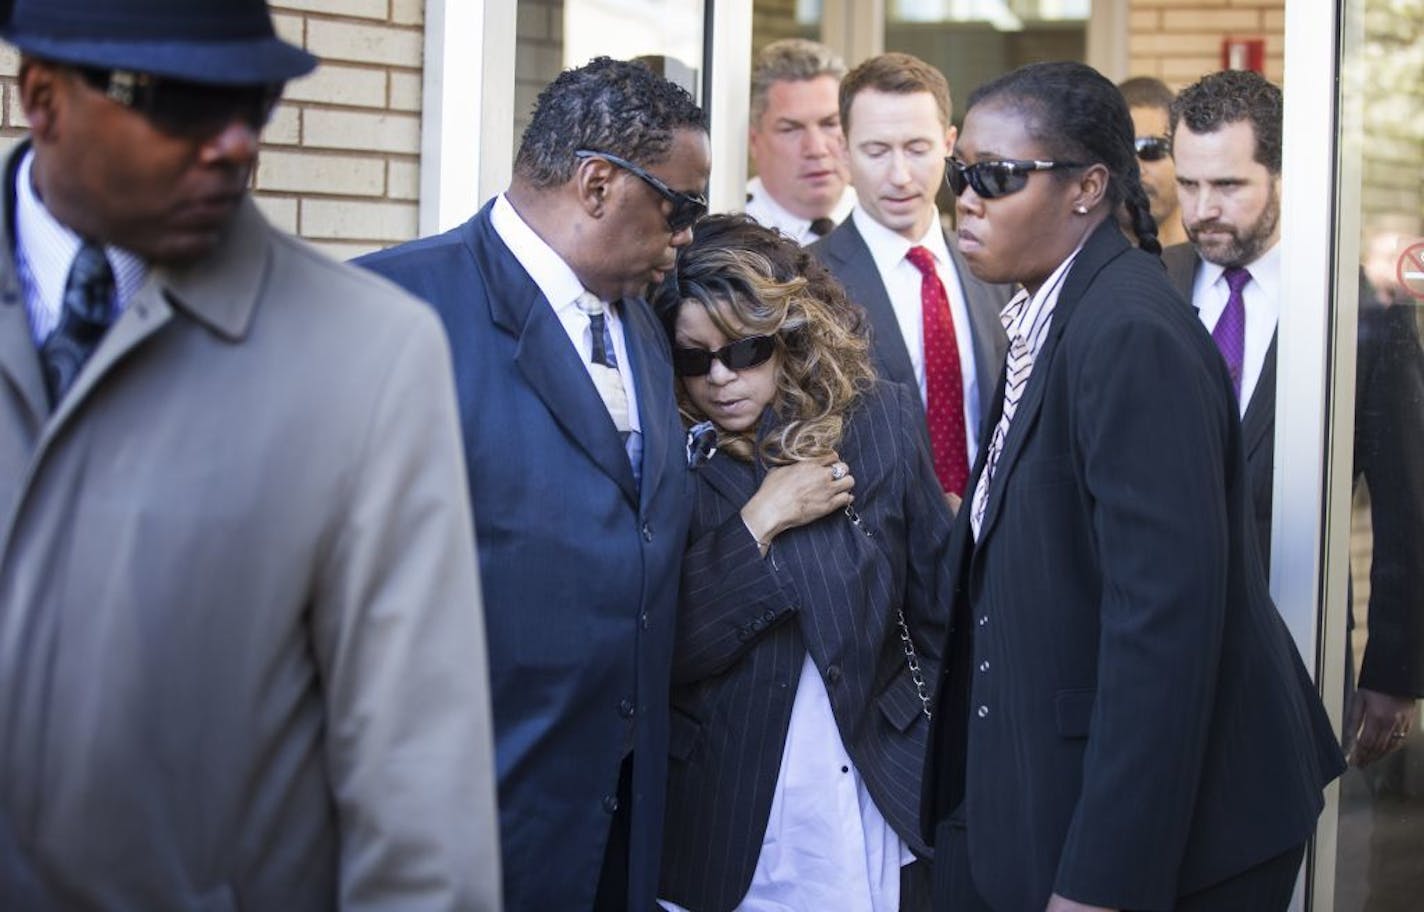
x,y
182,108
735,356
1153,148
687,208
993,179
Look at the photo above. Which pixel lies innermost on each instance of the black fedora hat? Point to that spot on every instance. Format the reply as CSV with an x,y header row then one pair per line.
x,y
222,42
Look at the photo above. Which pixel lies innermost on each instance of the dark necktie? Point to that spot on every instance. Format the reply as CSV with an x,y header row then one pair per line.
x,y
609,381
1230,330
944,382
86,312
822,226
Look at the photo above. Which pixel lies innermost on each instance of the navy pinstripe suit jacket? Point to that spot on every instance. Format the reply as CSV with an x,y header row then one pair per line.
x,y
746,624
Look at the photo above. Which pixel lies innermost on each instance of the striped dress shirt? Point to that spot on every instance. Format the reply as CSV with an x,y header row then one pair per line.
x,y
1026,320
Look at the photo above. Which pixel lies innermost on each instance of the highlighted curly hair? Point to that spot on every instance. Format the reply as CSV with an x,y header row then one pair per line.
x,y
754,281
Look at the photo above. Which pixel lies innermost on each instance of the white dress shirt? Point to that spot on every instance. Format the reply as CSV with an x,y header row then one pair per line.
x,y
827,846
1262,297
902,281
772,214
44,251
561,288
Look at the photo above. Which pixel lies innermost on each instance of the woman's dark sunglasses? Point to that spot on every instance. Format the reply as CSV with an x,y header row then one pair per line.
x,y
739,355
687,208
992,179
182,108
1153,148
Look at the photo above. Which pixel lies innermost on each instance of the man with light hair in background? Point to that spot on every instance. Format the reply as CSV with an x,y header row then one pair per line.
x,y
795,140
1149,101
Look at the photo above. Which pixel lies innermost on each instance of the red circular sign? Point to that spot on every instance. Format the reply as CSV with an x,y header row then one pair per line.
x,y
1410,271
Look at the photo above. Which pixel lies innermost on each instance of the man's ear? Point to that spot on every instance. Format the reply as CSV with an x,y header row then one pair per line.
x,y
593,182
951,136
40,97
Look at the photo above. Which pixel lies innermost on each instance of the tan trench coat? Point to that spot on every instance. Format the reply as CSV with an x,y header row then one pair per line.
x,y
242,658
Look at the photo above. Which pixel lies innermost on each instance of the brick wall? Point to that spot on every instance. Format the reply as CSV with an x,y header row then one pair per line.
x,y
340,161
1178,41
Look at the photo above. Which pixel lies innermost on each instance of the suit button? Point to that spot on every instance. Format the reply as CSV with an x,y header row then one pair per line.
x,y
984,621
643,620
983,712
610,804
647,532
833,673
626,708
984,665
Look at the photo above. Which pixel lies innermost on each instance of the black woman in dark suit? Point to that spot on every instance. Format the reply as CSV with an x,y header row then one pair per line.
x,y
1126,723
814,595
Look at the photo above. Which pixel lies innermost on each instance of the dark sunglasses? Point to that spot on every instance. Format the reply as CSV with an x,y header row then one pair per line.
x,y
992,179
739,355
183,108
1153,148
687,208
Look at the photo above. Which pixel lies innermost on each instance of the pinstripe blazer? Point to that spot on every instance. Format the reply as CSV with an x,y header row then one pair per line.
x,y
830,588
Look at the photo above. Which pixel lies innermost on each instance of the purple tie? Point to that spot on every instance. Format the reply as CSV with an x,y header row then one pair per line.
x,y
1230,331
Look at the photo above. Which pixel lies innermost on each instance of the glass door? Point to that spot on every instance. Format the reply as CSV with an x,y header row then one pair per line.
x,y
1378,858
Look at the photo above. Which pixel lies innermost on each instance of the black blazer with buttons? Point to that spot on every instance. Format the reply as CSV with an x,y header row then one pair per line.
x,y
746,624
1126,718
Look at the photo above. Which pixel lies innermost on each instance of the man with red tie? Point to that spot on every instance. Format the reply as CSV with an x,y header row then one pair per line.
x,y
934,327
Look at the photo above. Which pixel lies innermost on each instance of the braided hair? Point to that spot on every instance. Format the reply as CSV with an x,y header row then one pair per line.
x,y
1076,114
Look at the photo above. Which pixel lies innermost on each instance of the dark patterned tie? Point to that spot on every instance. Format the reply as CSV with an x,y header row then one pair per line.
x,y
87,311
1230,330
944,380
822,226
609,382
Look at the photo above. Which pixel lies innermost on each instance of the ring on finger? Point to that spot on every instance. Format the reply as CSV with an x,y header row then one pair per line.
x,y
838,471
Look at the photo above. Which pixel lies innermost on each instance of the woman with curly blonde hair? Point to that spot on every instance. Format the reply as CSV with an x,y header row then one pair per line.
x,y
813,594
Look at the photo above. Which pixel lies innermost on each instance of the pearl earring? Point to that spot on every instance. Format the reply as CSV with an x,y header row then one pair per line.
x,y
1080,209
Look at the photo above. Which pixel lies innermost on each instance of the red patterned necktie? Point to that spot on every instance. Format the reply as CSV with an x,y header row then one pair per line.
x,y
944,383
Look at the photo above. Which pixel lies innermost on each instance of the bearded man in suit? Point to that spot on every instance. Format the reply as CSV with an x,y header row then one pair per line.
x,y
1227,139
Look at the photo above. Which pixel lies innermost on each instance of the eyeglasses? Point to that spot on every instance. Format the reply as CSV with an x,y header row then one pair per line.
x,y
739,355
1153,148
687,208
183,108
992,179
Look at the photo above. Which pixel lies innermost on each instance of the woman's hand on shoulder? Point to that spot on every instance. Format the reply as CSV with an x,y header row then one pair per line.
x,y
794,495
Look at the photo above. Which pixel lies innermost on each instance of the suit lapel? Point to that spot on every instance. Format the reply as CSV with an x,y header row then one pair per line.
x,y
1260,414
1105,244
549,364
653,385
733,479
849,258
19,361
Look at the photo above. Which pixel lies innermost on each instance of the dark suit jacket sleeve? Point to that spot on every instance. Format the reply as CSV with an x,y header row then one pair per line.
x,y
730,597
1389,453
1152,427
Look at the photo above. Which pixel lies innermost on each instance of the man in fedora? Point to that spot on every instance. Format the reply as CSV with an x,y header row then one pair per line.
x,y
242,661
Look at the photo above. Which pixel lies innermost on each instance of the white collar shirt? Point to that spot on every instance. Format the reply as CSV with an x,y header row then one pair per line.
x,y
902,281
562,288
826,844
768,212
45,250
1262,297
